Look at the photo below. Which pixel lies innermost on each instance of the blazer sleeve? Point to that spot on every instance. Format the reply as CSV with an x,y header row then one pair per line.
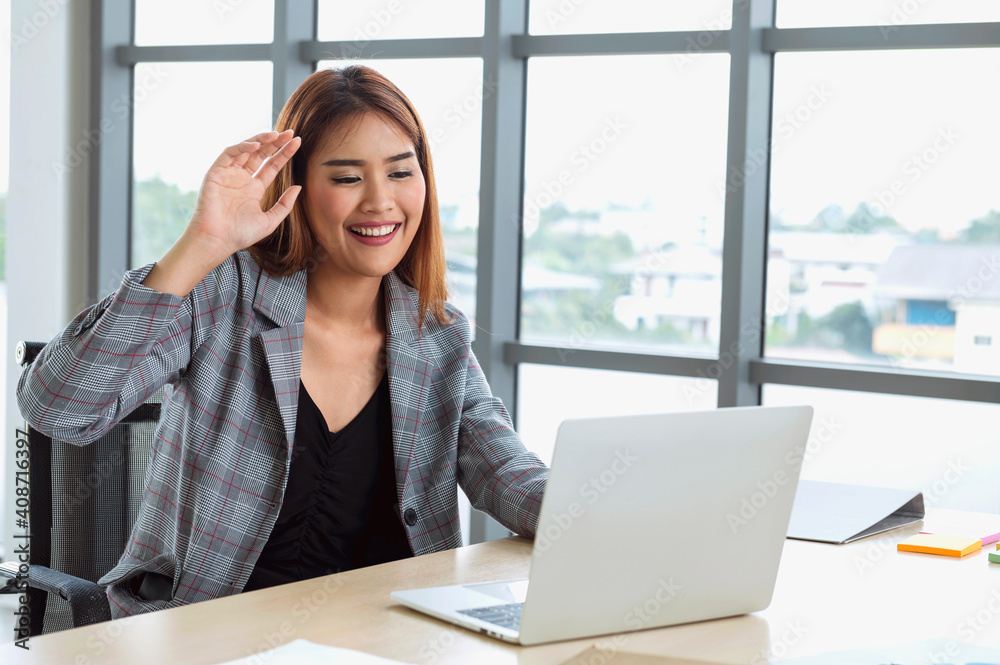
x,y
498,474
113,356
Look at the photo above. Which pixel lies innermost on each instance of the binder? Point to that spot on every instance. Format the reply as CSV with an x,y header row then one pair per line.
x,y
839,513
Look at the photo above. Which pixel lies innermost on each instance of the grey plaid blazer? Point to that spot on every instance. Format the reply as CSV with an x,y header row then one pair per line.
x,y
229,355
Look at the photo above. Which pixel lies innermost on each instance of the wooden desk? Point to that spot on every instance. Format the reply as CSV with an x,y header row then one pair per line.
x,y
828,598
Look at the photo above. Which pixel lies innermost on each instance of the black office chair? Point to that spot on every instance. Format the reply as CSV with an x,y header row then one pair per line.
x,y
84,500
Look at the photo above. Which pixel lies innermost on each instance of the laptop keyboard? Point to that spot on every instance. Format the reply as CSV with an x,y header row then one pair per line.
x,y
505,616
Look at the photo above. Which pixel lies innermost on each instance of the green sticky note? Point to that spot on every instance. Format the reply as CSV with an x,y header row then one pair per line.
x,y
994,557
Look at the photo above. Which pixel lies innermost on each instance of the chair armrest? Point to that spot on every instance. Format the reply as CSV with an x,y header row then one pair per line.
x,y
8,577
87,601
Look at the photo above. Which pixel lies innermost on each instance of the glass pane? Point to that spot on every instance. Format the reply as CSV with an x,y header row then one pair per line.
x,y
624,198
185,116
885,215
450,106
886,13
564,17
948,449
363,21
548,395
185,22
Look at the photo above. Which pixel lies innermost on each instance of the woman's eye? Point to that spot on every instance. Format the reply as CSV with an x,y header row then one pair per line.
x,y
347,180
401,174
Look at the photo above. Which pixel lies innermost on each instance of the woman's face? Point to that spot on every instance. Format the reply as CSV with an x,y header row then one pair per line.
x,y
364,197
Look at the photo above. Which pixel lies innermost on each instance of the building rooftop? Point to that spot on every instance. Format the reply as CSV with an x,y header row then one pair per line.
x,y
941,272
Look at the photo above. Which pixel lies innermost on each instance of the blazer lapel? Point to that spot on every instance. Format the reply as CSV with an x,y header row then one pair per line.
x,y
283,350
410,374
283,301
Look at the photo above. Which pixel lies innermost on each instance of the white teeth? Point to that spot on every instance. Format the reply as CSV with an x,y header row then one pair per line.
x,y
374,231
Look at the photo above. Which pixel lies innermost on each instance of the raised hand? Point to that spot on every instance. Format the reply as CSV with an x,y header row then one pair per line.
x,y
227,215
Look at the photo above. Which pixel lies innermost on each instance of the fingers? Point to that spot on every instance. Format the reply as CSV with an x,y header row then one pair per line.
x,y
270,166
268,148
263,137
249,153
283,205
235,154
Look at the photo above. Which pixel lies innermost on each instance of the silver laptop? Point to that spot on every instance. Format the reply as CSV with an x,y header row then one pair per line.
x,y
647,521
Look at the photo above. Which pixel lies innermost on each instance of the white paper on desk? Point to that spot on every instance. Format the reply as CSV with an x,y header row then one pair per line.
x,y
929,652
839,513
304,652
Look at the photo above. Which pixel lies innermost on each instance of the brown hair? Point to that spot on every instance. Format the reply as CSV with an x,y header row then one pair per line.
x,y
326,98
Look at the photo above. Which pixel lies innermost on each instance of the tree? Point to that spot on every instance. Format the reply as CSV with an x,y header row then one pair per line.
x,y
985,229
866,219
161,211
850,327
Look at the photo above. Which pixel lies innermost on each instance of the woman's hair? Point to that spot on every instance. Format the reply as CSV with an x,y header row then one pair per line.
x,y
325,100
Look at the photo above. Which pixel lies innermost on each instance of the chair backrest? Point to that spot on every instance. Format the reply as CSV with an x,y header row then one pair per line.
x,y
84,499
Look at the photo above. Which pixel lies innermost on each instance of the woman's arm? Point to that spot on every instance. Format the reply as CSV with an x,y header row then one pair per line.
x,y
498,474
114,355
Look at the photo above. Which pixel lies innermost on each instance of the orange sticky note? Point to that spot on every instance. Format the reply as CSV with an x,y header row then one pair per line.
x,y
931,543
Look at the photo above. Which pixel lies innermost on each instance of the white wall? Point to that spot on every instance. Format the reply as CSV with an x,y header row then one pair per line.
x,y
46,214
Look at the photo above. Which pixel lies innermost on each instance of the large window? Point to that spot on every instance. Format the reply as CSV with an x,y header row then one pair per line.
x,y
622,238
176,141
658,205
885,217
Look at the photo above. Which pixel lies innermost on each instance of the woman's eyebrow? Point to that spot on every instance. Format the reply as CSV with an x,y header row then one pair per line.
x,y
360,162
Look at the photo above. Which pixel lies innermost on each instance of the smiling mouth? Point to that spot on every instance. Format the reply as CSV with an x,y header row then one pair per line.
x,y
373,231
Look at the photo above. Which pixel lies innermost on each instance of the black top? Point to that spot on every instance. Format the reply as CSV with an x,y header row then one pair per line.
x,y
340,509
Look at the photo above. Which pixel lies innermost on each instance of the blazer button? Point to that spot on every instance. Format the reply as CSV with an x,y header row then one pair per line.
x,y
410,516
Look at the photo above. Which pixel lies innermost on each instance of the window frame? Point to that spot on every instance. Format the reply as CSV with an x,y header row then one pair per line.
x,y
740,367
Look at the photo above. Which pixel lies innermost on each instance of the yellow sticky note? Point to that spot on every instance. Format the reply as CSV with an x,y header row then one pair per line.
x,y
931,543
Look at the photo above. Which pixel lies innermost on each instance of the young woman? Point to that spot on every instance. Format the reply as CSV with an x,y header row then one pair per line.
x,y
322,400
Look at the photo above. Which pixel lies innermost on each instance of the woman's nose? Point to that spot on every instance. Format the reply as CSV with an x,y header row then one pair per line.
x,y
378,197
